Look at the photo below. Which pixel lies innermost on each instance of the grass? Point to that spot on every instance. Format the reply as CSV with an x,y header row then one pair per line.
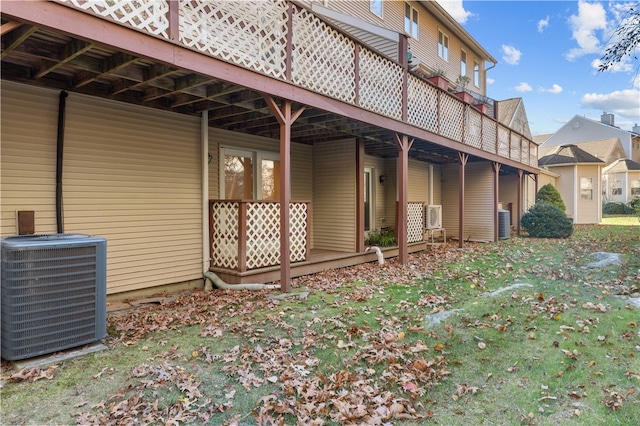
x,y
562,348
621,220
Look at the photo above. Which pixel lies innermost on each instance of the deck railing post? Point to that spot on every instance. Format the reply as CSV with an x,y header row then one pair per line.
x,y
403,48
307,252
211,204
288,61
242,236
174,21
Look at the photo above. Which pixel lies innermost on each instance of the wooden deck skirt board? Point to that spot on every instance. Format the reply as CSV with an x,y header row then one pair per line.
x,y
320,260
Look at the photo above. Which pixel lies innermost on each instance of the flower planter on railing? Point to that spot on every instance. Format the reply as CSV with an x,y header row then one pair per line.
x,y
246,234
439,81
464,96
482,107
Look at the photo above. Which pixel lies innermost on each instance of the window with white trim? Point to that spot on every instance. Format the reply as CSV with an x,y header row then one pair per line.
x,y
249,175
586,189
376,7
410,20
635,188
443,45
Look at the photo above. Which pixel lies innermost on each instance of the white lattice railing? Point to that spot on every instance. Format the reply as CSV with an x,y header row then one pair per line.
x,y
288,42
246,234
323,58
415,221
150,16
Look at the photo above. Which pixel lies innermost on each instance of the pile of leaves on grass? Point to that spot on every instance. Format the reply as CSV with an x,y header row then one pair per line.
x,y
357,350
384,379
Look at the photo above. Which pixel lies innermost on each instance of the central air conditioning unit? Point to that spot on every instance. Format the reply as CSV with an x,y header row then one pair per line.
x,y
53,293
432,217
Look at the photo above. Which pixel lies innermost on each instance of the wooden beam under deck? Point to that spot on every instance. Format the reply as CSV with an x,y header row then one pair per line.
x,y
320,260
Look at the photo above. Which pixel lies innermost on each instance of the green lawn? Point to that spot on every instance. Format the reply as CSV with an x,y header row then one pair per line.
x,y
522,331
621,220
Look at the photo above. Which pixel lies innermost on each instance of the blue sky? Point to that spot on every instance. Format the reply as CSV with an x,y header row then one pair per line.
x,y
548,52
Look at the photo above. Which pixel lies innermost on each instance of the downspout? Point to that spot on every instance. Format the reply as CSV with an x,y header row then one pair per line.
x,y
209,277
214,279
204,158
59,158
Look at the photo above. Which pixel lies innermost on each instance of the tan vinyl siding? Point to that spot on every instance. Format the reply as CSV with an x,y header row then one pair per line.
x,y
132,175
418,181
301,172
508,195
588,210
544,179
334,195
479,201
437,185
450,199
567,187
479,210
29,119
361,9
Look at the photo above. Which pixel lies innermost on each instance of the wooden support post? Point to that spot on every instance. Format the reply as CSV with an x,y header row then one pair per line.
x,y
360,191
496,200
404,145
242,236
285,118
519,206
463,158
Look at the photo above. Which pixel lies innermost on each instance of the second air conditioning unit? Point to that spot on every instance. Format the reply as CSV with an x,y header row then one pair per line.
x,y
433,217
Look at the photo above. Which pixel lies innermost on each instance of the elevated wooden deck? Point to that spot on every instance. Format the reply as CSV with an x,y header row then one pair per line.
x,y
319,260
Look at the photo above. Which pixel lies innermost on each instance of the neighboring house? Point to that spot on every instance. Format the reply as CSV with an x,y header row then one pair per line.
x,y
578,181
255,139
622,180
581,130
511,112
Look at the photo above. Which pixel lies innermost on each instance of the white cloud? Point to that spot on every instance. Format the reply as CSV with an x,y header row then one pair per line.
x,y
622,66
621,102
523,87
555,89
543,23
511,55
591,17
456,10
492,80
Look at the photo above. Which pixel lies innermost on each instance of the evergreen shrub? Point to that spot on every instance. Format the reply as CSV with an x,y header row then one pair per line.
x,y
545,220
549,194
634,205
614,207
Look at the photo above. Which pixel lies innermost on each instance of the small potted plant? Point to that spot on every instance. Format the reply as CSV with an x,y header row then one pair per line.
x,y
437,77
461,83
